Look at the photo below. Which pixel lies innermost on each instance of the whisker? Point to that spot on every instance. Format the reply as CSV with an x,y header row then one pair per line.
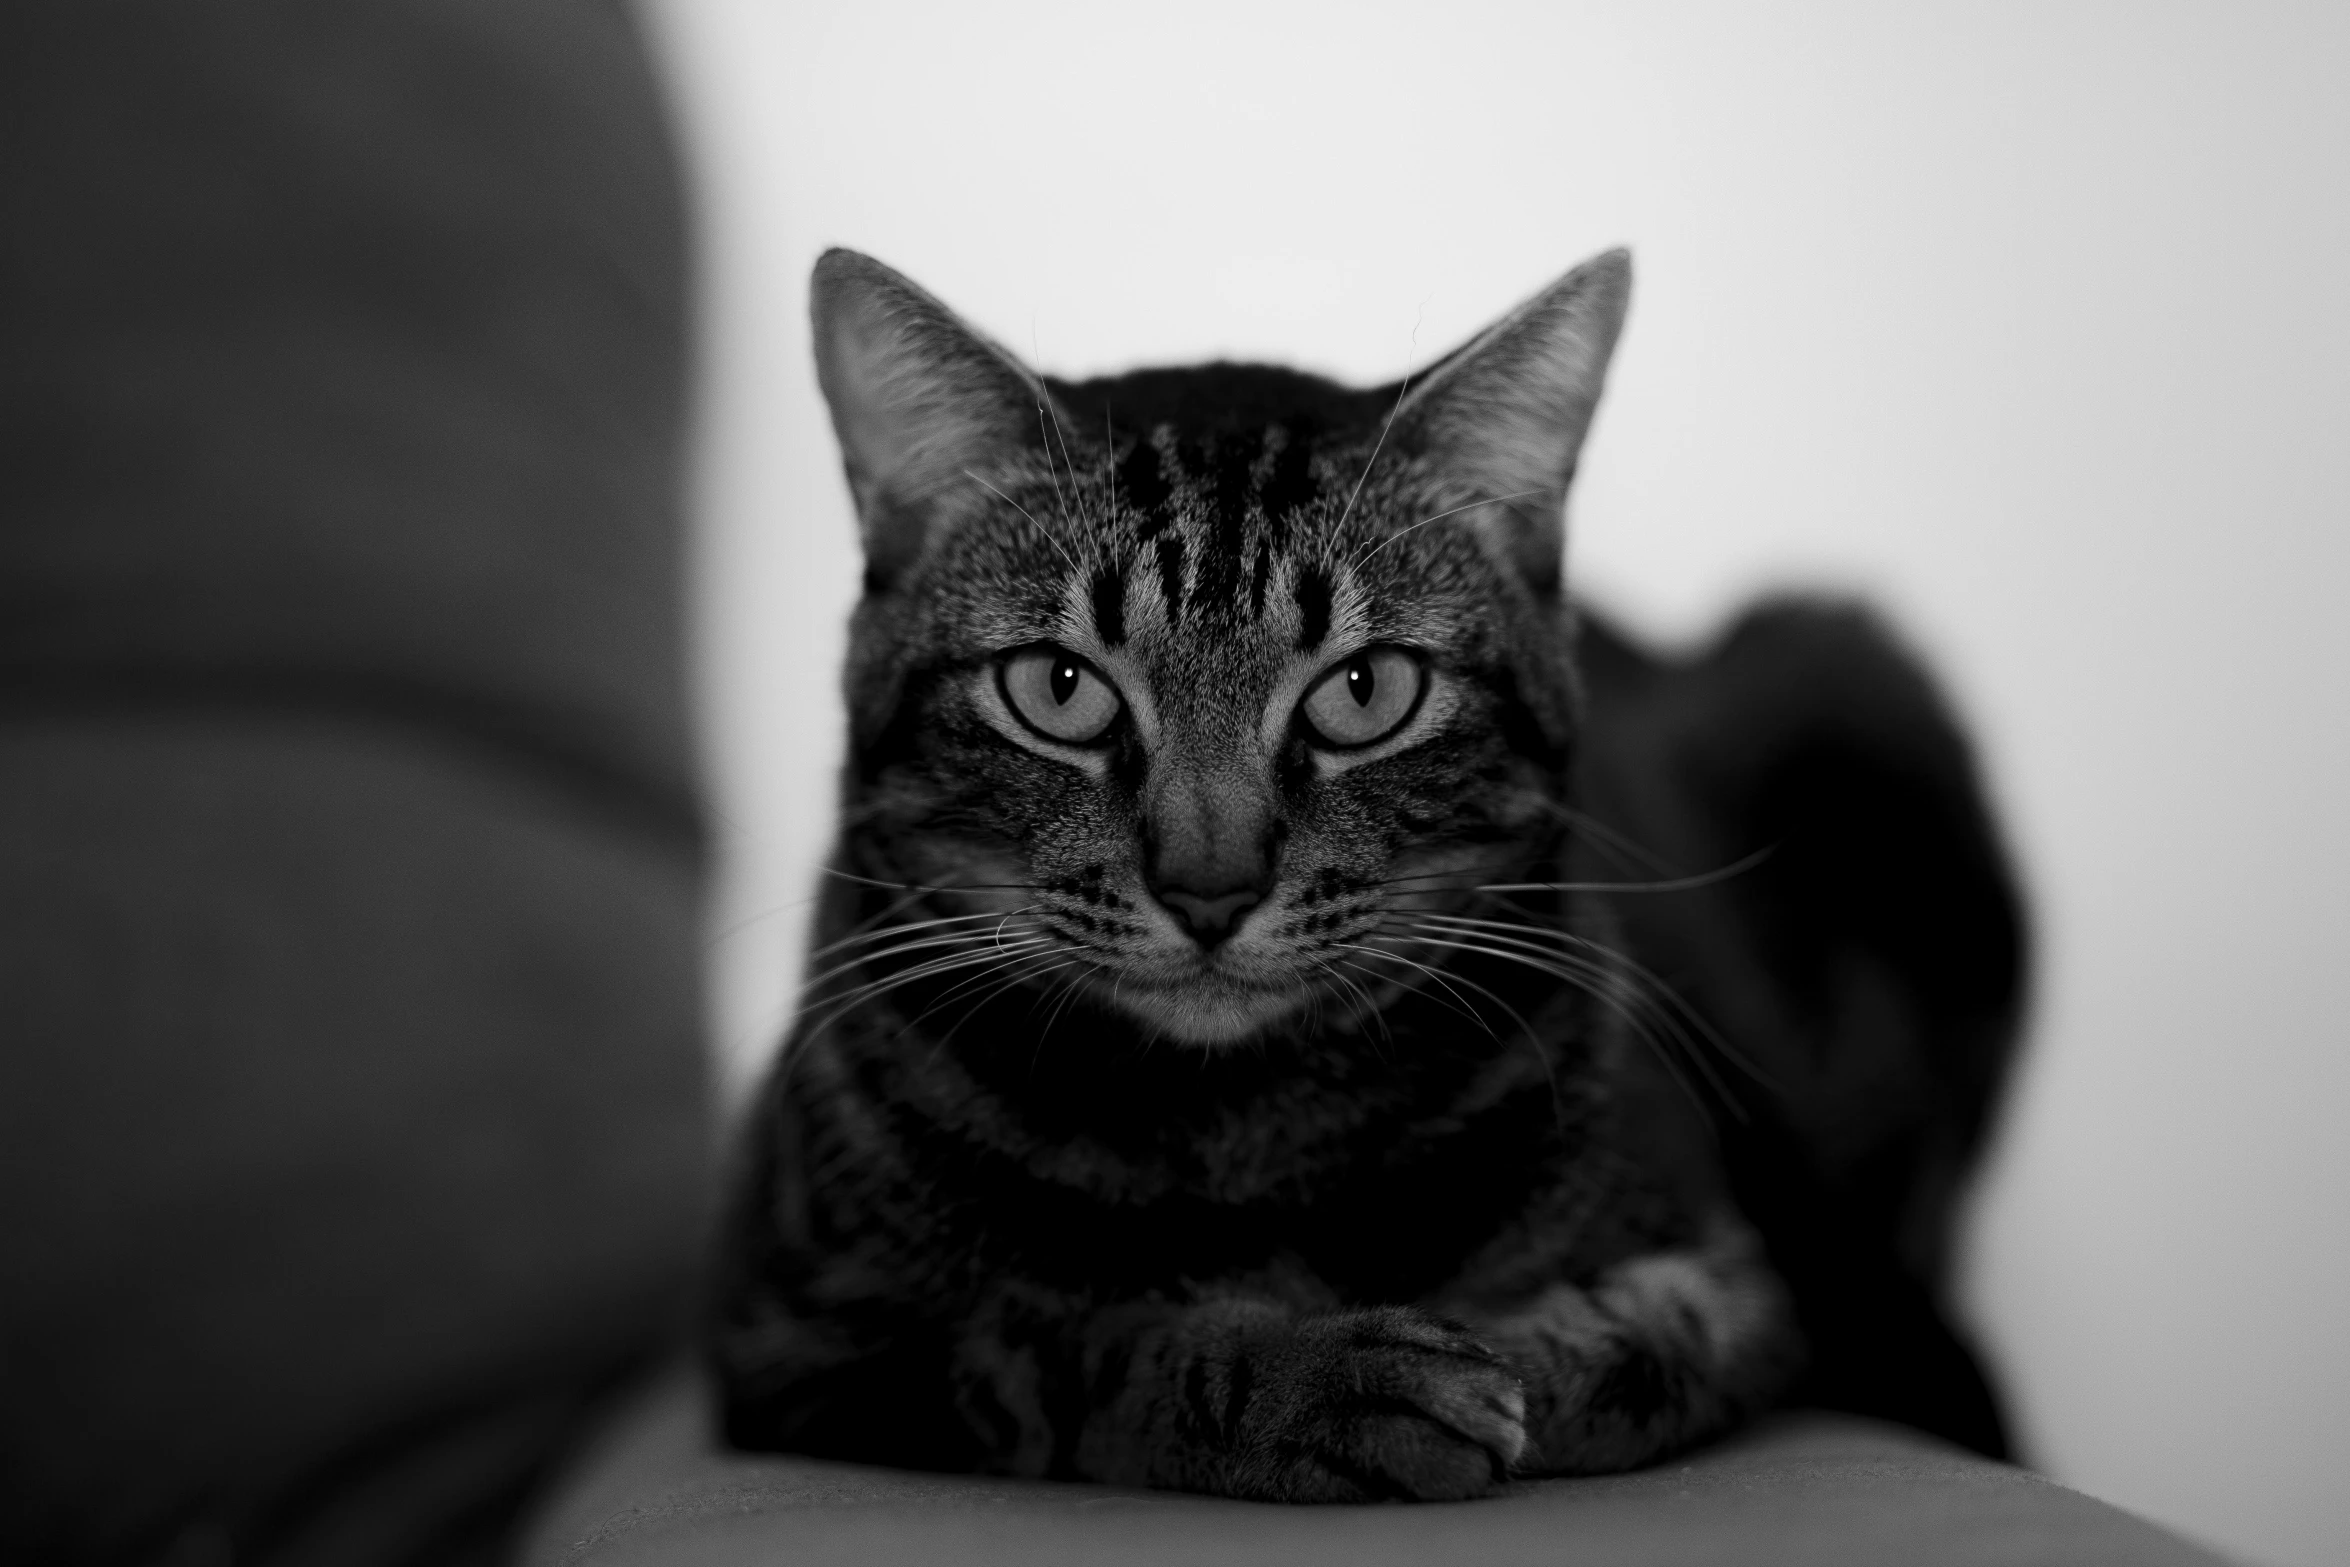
x,y
921,886
1368,1004
1517,936
1045,407
1533,1035
1046,436
1607,986
890,910
884,932
1491,500
1666,883
967,938
931,968
1457,1005
1377,447
1024,511
996,940
1600,985
1019,971
1636,971
1068,993
1675,884
1457,871
868,994
1599,833
913,893
720,938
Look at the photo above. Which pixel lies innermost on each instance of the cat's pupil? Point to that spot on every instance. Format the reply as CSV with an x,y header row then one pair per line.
x,y
1360,680
1064,681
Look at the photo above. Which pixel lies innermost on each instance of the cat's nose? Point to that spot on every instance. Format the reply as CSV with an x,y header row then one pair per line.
x,y
1210,919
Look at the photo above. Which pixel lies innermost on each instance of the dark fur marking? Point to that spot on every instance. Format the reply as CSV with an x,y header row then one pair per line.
x,y
1227,541
1236,1392
1171,577
1257,583
1129,762
1392,1404
1294,770
1313,605
1640,1387
1234,464
1117,1363
1146,486
1195,1395
1109,606
1375,1487
1290,486
1191,454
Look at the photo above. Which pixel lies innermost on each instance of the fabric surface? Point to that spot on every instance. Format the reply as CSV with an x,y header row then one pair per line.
x,y
1811,1489
352,1113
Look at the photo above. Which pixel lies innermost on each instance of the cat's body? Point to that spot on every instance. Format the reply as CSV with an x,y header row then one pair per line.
x,y
1222,1070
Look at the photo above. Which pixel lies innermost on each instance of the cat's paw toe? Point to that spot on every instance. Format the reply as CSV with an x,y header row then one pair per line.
x,y
1390,1404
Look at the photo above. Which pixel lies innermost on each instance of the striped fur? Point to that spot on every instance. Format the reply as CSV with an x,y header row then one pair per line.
x,y
1176,1107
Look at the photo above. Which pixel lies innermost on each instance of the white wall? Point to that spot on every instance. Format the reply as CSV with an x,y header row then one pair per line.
x,y
2027,321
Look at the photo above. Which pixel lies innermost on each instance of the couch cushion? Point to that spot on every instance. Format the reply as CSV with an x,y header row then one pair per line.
x,y
352,1111
345,362
352,1118
1806,1489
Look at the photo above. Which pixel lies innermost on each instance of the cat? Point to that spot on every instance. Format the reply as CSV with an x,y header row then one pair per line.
x,y
1301,1011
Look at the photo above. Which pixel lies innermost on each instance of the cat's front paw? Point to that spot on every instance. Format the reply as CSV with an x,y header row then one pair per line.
x,y
1389,1404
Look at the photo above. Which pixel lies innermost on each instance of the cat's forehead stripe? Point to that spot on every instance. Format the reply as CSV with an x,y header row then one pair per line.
x,y
1222,561
1109,606
1214,513
1140,480
1170,553
1313,607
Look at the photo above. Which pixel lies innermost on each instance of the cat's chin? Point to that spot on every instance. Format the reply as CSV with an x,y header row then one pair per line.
x,y
1211,1017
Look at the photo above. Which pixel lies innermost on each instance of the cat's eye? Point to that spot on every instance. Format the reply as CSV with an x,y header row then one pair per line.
x,y
1059,695
1366,698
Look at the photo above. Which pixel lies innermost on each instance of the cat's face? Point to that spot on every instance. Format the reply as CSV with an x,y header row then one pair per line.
x,y
1198,723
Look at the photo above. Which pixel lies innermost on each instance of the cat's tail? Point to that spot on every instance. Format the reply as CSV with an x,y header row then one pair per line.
x,y
1872,964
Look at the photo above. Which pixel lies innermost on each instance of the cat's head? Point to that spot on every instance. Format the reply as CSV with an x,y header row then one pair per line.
x,y
1199,691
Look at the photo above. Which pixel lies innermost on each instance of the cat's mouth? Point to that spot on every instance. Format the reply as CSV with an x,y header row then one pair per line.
x,y
1228,999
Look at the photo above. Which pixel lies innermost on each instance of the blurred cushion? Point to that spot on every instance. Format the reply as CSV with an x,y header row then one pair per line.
x,y
1808,1490
352,1112
345,360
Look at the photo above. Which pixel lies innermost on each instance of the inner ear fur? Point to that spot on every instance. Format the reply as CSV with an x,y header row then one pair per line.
x,y
1499,422
925,407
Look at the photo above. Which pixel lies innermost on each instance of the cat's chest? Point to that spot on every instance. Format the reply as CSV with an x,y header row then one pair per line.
x,y
1366,1186
1293,1145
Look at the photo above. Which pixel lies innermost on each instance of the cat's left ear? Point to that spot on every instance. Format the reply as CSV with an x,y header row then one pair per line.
x,y
1500,422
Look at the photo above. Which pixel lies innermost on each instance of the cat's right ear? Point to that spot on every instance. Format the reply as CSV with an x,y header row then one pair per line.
x,y
1499,423
924,406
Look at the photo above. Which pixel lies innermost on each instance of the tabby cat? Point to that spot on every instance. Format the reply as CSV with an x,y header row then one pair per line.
x,y
1276,1030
